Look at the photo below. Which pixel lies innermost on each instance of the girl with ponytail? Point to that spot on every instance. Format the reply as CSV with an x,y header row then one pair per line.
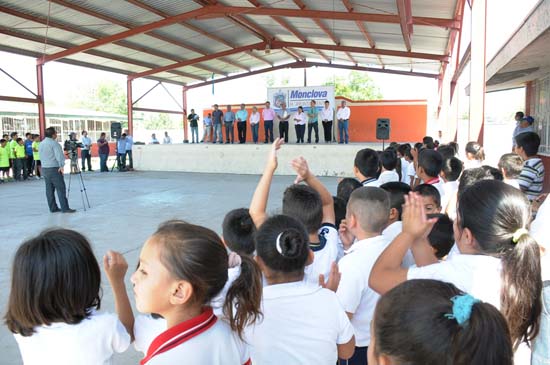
x,y
302,323
429,322
499,261
182,267
475,155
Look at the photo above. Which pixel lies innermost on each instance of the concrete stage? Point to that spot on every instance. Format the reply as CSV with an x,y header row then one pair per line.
x,y
324,159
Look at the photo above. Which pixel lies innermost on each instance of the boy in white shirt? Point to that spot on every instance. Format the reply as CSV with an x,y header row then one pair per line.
x,y
430,163
367,215
366,166
450,173
388,161
511,164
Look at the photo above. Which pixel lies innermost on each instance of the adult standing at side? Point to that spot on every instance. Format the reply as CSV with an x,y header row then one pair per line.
x,y
217,116
254,123
86,152
53,162
228,120
193,119
242,116
207,126
167,139
129,146
283,116
269,115
327,115
103,150
343,115
312,121
523,125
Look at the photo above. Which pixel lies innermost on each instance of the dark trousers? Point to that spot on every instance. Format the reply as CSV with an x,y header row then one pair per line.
x,y
241,131
130,159
86,156
19,168
29,165
55,181
229,132
327,131
283,131
358,358
315,127
121,161
300,131
255,128
103,162
268,130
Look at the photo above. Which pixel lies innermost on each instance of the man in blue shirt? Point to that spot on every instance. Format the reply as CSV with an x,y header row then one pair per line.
x,y
242,116
29,153
524,125
217,116
121,152
228,120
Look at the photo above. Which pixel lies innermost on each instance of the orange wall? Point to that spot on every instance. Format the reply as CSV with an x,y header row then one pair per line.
x,y
408,119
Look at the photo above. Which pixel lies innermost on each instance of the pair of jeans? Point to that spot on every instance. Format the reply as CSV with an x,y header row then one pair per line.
x,y
241,131
55,182
255,128
128,157
20,168
218,133
103,162
300,131
121,161
194,134
315,127
206,134
29,165
283,131
229,132
268,130
327,131
343,130
86,156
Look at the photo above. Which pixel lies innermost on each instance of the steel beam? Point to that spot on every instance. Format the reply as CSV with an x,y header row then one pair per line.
x,y
40,95
405,21
130,104
19,99
184,102
152,110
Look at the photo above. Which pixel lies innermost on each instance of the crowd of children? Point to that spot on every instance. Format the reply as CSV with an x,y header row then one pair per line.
x,y
423,259
19,158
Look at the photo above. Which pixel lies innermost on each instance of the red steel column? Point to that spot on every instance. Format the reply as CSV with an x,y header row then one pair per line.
x,y
185,139
41,108
130,107
477,70
528,95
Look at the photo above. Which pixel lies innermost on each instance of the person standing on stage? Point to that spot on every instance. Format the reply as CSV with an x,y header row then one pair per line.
x,y
194,124
167,139
53,162
300,124
327,115
103,150
86,151
284,116
269,115
255,123
217,116
242,116
343,122
228,120
207,126
312,122
129,145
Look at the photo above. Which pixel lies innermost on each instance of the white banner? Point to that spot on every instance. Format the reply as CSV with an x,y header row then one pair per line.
x,y
300,96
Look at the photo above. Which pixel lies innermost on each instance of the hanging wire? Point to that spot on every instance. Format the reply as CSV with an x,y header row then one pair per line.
x,y
47,28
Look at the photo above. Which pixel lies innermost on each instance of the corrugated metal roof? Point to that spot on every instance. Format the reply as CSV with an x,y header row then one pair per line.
x,y
77,22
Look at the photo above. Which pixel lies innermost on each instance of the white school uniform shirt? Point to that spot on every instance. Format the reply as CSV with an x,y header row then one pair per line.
x,y
512,182
326,252
438,184
204,339
370,182
404,171
327,114
390,233
388,176
90,342
354,292
343,113
477,275
301,324
146,329
217,302
411,172
540,229
167,140
450,188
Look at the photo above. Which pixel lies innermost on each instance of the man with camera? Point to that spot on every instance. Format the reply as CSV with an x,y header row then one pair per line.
x,y
71,147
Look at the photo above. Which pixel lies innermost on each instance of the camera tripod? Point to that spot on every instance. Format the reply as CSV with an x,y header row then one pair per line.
x,y
83,192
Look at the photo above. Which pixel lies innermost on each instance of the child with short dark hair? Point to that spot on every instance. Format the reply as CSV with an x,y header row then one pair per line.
x,y
54,297
286,334
345,187
451,171
441,236
366,167
511,164
36,156
388,163
19,160
428,322
531,178
4,161
339,210
182,268
404,153
430,198
430,164
238,231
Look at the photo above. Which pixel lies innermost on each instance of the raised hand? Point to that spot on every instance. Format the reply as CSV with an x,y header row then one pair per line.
x,y
334,277
115,266
345,235
272,159
415,221
302,169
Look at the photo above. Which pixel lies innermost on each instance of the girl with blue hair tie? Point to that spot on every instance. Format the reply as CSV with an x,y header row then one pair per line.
x,y
429,322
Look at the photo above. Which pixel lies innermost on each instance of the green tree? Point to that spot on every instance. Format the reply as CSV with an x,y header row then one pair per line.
x,y
106,96
357,86
160,121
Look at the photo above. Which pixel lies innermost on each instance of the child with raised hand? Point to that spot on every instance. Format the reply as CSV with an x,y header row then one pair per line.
x,y
428,322
499,261
54,298
181,268
311,204
302,323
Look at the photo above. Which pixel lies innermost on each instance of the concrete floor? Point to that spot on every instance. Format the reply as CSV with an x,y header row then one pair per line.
x,y
125,210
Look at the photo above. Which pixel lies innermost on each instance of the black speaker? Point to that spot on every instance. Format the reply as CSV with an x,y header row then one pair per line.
x,y
382,128
116,130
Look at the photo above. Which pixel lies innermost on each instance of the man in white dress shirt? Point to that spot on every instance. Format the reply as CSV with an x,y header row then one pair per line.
x,y
343,122
327,115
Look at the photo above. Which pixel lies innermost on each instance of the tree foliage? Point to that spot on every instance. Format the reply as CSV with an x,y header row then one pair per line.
x,y
160,121
357,86
106,96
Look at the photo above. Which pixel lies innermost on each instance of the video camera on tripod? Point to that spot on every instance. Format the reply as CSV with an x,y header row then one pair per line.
x,y
72,145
